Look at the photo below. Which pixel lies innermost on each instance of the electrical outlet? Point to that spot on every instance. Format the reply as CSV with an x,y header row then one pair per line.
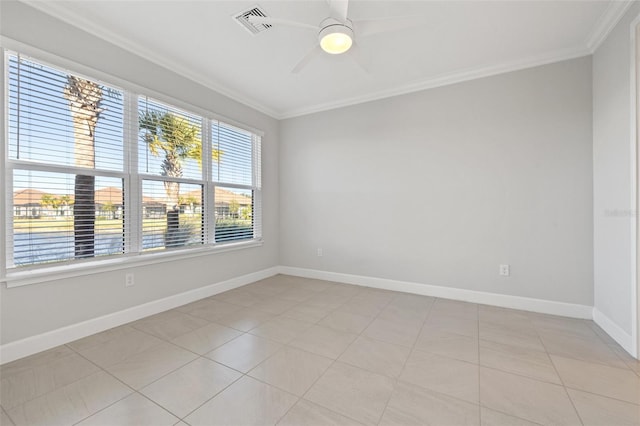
x,y
504,270
319,252
128,280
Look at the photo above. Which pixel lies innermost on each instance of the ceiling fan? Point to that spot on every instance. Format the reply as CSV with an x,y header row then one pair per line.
x,y
336,33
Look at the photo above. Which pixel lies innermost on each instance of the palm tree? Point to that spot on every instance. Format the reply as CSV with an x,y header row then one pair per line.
x,y
110,208
48,200
178,139
84,98
66,201
234,208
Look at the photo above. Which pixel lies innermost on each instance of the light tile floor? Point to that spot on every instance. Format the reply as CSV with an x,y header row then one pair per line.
x,y
295,351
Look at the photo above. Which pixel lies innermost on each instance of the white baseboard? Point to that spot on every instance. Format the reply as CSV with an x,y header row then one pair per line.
x,y
34,344
505,301
616,332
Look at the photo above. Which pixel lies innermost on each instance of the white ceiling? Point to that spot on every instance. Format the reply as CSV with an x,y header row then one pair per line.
x,y
454,41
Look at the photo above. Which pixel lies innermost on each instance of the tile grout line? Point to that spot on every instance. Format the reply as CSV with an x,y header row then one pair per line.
x,y
480,366
332,363
486,367
216,394
604,396
559,377
521,375
628,363
336,359
7,414
603,340
112,376
251,369
100,369
242,374
585,339
283,345
397,379
535,328
513,415
53,390
545,351
479,378
589,361
159,378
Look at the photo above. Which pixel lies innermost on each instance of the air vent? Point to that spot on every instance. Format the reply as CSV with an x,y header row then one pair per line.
x,y
243,19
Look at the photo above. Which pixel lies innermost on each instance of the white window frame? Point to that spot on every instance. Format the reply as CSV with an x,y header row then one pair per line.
x,y
255,187
133,254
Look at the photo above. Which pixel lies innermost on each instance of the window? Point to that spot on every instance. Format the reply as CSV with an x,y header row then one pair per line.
x,y
170,162
238,183
65,144
95,171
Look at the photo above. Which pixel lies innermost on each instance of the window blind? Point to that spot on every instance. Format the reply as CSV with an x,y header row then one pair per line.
x,y
65,143
170,147
170,142
237,190
167,224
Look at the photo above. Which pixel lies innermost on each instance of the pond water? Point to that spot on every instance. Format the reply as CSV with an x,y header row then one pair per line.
x,y
43,247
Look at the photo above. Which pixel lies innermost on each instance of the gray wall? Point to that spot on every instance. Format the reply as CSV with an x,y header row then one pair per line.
x,y
612,148
34,309
441,186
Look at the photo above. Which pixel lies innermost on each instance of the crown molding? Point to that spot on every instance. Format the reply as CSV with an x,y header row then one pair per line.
x,y
445,80
56,10
607,22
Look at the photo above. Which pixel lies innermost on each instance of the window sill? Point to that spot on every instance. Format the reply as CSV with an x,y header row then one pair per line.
x,y
17,278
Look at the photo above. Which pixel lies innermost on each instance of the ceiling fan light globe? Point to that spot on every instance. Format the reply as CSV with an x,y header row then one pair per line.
x,y
336,39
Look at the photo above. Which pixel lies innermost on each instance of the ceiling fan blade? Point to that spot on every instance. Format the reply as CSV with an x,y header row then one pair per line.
x,y
277,21
355,53
367,27
307,58
338,9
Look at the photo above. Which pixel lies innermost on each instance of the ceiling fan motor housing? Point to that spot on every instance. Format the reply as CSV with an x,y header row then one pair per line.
x,y
335,37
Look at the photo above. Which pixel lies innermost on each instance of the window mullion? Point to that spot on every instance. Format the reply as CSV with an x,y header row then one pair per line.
x,y
211,184
6,204
234,185
144,176
34,166
215,139
133,214
7,209
257,214
256,167
256,160
207,217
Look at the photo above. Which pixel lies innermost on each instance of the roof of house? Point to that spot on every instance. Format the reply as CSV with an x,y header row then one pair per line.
x,y
28,196
109,194
224,196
